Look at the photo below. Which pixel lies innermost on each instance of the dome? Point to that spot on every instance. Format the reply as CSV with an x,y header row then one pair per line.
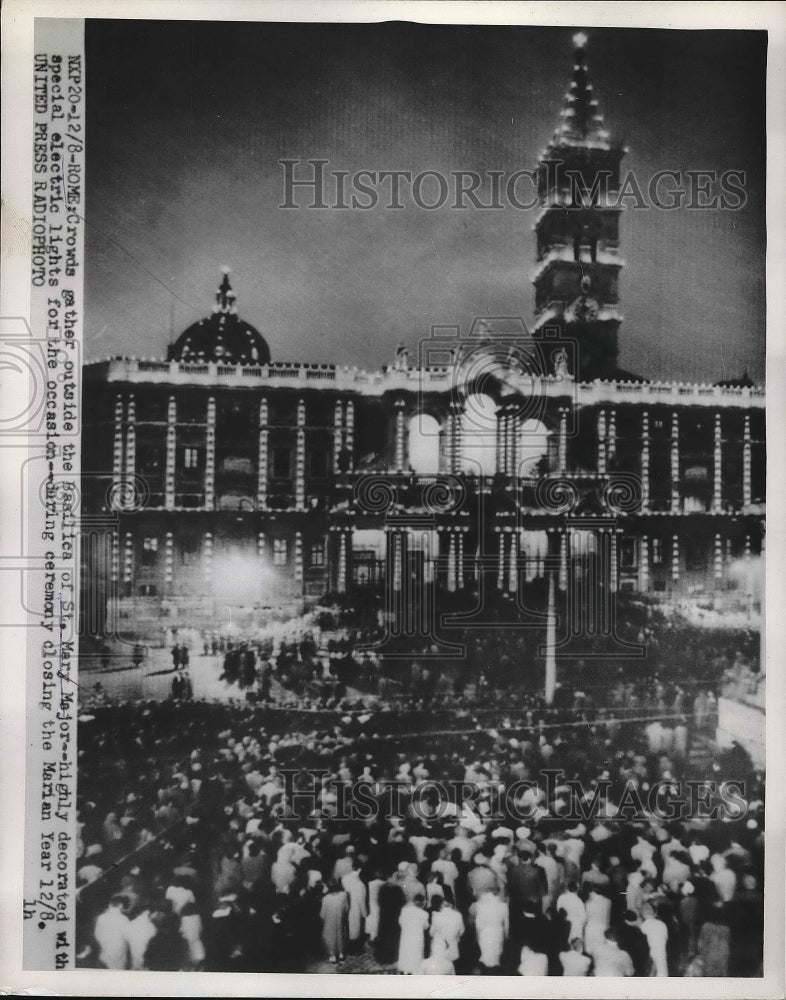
x,y
222,337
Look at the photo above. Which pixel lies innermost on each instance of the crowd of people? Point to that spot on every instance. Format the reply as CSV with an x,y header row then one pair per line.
x,y
431,828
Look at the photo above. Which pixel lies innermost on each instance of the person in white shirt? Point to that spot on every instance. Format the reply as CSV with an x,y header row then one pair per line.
x,y
111,934
447,869
179,895
437,964
611,960
139,933
447,926
656,933
575,962
574,908
723,877
533,963
191,932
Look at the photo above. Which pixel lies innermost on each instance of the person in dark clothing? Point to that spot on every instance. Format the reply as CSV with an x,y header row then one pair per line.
x,y
632,939
391,902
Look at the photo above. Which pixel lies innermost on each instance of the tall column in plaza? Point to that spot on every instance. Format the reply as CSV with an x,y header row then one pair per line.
x,y
501,562
210,455
117,448
645,461
675,462
746,462
460,561
261,547
675,558
130,470
400,443
338,434
562,450
349,436
644,564
171,446
602,442
550,686
717,466
300,457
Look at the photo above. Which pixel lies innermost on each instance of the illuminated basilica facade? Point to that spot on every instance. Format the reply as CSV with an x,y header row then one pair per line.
x,y
494,459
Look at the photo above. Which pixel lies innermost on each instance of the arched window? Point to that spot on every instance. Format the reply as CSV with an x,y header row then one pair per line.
x,y
479,436
424,441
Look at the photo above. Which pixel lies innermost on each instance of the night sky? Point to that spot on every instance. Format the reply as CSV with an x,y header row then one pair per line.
x,y
187,122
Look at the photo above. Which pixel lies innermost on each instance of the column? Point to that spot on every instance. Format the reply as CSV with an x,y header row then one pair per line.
x,y
501,562
644,564
117,449
261,546
551,643
300,457
263,456
299,559
169,558
128,560
460,561
341,578
500,443
611,438
451,561
748,574
513,565
457,411
171,443
675,558
613,569
398,559
746,463
718,563
563,559
563,440
400,436
349,436
717,458
338,432
645,461
130,445
208,567
115,564
602,442
675,462
210,456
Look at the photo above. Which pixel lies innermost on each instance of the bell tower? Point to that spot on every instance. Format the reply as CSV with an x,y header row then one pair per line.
x,y
577,273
